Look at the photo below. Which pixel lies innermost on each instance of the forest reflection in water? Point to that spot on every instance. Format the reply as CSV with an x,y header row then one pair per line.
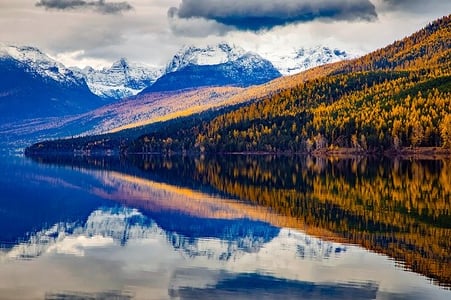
x,y
400,208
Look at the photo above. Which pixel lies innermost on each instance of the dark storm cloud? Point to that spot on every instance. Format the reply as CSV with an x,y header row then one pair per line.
x,y
100,6
258,15
416,6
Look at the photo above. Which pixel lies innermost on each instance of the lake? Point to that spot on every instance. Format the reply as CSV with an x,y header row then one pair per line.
x,y
224,227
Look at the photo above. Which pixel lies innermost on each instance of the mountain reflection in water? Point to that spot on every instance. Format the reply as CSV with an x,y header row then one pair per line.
x,y
235,226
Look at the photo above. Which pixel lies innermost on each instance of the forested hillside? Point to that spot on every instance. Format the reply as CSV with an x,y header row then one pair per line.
x,y
399,96
393,98
427,49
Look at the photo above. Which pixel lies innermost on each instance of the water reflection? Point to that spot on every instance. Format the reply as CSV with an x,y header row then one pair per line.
x,y
400,208
241,227
116,295
268,287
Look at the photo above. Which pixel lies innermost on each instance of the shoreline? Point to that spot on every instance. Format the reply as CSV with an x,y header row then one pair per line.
x,y
422,153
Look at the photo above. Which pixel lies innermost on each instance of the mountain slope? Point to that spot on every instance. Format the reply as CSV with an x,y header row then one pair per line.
x,y
402,99
217,65
34,85
129,113
429,48
123,79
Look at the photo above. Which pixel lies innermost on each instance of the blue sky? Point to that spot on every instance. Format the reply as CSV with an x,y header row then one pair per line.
x,y
98,32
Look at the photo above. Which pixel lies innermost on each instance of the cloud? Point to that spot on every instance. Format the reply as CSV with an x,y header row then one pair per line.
x,y
195,27
100,6
414,6
256,15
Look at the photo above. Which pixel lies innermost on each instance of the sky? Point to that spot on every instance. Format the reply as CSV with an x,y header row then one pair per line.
x,y
99,32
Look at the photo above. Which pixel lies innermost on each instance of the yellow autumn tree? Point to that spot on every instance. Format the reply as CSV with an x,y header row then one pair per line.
x,y
445,131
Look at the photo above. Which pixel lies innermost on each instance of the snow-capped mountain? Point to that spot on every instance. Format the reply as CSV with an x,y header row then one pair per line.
x,y
302,59
121,80
215,65
35,61
35,85
209,55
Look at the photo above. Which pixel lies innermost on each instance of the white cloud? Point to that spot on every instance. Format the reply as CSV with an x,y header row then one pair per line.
x,y
196,27
77,58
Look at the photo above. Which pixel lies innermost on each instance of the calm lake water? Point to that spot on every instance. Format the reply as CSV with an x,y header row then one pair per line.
x,y
232,227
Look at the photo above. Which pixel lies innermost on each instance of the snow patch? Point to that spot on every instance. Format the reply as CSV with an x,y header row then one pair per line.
x,y
38,62
123,79
302,59
209,55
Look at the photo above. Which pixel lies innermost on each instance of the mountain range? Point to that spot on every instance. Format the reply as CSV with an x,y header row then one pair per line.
x,y
217,65
392,99
41,98
233,65
123,79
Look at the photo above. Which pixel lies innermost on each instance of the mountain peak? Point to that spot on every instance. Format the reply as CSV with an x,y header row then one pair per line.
x,y
204,56
214,65
121,63
122,79
38,62
17,51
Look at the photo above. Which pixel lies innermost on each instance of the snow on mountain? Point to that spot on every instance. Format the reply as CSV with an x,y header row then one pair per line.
x,y
302,59
122,79
34,60
210,55
236,66
214,65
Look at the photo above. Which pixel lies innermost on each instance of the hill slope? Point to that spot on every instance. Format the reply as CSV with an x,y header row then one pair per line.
x,y
427,49
129,113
